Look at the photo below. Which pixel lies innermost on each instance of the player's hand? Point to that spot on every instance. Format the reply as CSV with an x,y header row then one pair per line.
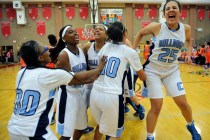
x,y
102,62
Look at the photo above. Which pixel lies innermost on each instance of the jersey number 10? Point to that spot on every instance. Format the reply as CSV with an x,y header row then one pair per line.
x,y
110,69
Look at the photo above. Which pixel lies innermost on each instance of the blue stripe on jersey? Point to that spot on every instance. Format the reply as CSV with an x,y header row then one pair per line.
x,y
129,79
52,93
123,81
120,126
62,110
130,83
43,121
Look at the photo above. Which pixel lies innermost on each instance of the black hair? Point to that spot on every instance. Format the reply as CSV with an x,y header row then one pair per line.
x,y
147,42
208,43
115,32
59,47
29,52
52,39
167,1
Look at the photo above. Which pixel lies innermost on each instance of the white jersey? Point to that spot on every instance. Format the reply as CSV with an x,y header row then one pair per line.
x,y
78,64
93,58
35,91
111,79
167,49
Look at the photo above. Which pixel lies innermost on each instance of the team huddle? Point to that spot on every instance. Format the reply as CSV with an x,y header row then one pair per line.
x,y
96,75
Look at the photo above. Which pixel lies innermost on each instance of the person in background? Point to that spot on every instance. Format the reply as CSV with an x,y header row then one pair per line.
x,y
207,54
162,66
146,50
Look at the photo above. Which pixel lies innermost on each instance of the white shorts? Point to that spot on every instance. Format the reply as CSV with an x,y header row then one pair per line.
x,y
88,89
108,112
171,82
128,84
48,136
72,112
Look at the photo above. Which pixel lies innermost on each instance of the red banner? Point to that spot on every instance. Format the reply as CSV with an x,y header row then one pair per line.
x,y
40,27
46,11
201,12
0,12
184,12
85,34
33,11
10,12
5,29
70,11
209,13
152,11
83,11
145,23
139,12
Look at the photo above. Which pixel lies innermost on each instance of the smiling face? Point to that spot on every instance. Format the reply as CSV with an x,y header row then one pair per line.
x,y
172,13
71,36
100,33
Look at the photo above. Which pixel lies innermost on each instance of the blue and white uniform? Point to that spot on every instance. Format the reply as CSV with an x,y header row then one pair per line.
x,y
106,99
92,62
35,91
71,103
162,65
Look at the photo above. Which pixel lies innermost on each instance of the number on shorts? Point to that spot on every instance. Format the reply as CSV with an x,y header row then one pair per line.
x,y
168,52
111,68
29,103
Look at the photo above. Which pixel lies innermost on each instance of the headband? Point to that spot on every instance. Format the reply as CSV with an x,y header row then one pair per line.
x,y
64,31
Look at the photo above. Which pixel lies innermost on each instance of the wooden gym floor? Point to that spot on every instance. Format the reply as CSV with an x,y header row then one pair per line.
x,y
170,126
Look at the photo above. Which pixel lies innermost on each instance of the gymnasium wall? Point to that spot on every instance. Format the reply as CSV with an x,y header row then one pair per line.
x,y
22,33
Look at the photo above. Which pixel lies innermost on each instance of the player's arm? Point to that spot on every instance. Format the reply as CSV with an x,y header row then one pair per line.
x,y
153,28
63,61
85,77
142,76
188,42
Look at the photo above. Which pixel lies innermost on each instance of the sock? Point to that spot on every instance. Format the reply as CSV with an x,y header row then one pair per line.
x,y
149,135
190,123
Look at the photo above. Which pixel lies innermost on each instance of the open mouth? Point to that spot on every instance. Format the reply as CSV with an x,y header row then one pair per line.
x,y
171,17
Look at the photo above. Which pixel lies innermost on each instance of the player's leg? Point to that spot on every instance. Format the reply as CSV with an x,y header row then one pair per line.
x,y
133,101
175,89
154,86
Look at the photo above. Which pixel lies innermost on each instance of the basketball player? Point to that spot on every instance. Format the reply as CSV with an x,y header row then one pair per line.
x,y
72,106
35,90
106,99
162,66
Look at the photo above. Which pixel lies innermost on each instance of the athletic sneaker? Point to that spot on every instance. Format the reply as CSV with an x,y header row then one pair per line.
x,y
141,112
136,114
88,130
108,137
150,138
126,109
194,132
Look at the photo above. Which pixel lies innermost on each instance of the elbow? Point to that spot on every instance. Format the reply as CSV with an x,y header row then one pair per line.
x,y
143,78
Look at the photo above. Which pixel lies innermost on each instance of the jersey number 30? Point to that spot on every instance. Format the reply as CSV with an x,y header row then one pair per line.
x,y
110,69
27,103
171,55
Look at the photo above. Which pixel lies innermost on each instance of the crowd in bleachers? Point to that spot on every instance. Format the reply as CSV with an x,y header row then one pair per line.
x,y
200,55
